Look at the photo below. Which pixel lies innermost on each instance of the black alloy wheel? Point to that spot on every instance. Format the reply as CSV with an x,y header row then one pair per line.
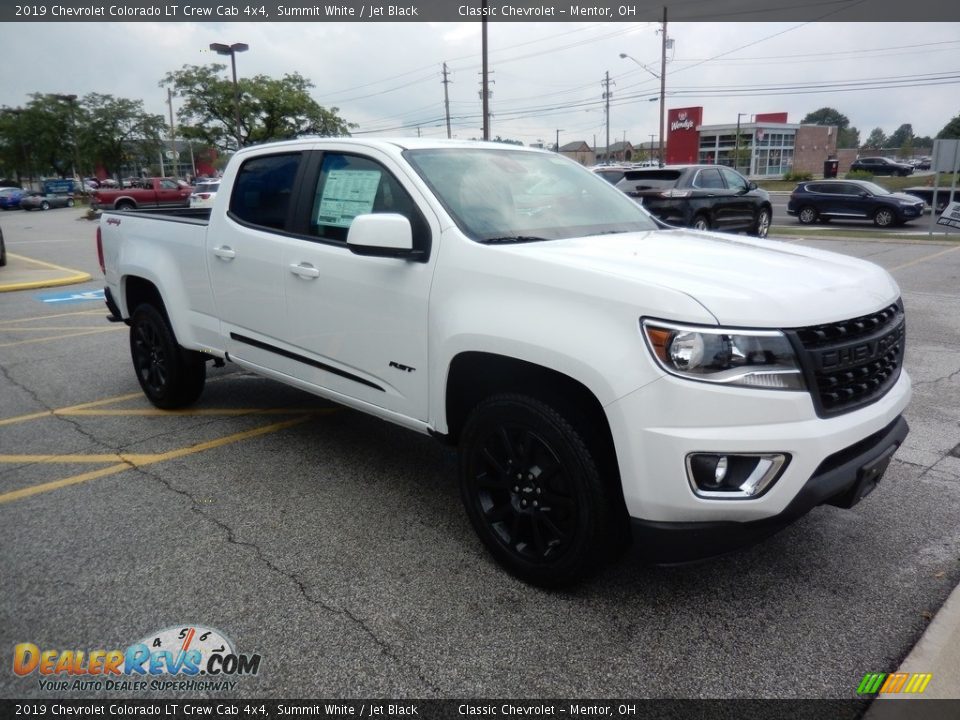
x,y
170,376
532,491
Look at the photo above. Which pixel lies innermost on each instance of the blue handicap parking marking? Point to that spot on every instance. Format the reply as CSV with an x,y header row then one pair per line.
x,y
70,297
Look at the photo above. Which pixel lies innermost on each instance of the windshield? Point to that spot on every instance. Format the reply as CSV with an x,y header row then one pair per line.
x,y
510,195
874,188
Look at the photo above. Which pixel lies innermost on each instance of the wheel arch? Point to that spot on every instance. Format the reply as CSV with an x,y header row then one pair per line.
x,y
474,376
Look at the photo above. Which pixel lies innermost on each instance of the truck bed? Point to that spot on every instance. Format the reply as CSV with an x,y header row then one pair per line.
x,y
195,216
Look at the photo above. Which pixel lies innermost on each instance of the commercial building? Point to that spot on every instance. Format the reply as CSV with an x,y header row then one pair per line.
x,y
768,145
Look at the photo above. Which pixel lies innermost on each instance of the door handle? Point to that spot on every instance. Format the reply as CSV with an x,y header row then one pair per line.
x,y
305,270
225,251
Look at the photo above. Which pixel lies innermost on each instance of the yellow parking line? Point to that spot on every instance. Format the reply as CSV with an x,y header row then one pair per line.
x,y
48,317
148,460
20,328
200,412
60,337
75,276
79,459
67,410
924,259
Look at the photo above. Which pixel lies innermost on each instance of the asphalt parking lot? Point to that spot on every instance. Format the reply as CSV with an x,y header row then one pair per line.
x,y
334,545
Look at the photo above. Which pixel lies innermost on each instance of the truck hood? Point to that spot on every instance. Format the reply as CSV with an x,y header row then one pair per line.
x,y
740,281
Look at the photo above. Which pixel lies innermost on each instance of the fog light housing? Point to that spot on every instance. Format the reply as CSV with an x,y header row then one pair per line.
x,y
734,476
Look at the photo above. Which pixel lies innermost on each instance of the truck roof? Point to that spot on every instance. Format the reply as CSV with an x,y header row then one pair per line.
x,y
404,143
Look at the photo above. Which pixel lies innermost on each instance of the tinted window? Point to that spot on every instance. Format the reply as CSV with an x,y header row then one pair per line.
x,y
735,181
263,188
349,186
708,179
650,179
168,184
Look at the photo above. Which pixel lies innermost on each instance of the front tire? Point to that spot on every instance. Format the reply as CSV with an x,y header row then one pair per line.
x,y
44,205
170,376
70,202
807,215
884,217
532,491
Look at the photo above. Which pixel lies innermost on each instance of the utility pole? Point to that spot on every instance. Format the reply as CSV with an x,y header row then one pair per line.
x,y
173,136
652,136
558,139
606,97
663,83
486,90
446,99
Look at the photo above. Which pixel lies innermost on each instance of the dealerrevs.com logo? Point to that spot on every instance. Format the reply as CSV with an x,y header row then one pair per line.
x,y
178,658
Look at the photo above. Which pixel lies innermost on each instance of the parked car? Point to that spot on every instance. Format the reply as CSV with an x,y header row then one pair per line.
x,y
611,173
3,250
204,193
826,200
704,197
143,193
44,201
10,198
882,166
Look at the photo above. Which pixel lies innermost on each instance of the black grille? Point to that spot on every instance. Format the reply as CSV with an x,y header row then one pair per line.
x,y
851,363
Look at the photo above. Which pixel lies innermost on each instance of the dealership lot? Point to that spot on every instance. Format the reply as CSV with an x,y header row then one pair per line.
x,y
334,545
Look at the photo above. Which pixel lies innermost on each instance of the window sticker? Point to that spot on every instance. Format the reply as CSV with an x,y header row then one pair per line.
x,y
346,194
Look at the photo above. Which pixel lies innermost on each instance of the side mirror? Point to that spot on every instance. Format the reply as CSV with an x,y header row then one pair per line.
x,y
863,193
382,235
751,185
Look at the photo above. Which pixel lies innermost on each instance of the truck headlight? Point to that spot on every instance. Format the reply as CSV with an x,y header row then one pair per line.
x,y
762,359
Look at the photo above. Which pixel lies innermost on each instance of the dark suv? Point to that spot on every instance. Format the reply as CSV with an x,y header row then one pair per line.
x,y
826,200
882,166
705,197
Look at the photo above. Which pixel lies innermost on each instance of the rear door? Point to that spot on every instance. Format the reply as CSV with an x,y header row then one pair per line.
x,y
712,196
245,257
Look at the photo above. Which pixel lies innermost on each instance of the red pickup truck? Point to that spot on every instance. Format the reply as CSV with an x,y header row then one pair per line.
x,y
146,193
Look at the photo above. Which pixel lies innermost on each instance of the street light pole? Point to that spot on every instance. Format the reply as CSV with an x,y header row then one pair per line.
x,y
663,83
71,100
232,50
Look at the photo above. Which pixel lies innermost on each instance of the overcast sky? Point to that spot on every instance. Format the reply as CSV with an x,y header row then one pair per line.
x,y
386,77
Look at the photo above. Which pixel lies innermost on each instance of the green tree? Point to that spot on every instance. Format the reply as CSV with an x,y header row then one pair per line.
x,y
901,136
846,135
951,130
876,140
270,109
119,131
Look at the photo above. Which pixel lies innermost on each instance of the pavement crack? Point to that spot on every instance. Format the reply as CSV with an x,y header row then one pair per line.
x,y
948,378
385,648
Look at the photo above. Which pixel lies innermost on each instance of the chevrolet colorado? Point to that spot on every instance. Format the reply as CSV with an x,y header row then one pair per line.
x,y
602,377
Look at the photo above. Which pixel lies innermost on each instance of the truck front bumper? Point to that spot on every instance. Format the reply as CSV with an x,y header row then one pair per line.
x,y
658,426
842,479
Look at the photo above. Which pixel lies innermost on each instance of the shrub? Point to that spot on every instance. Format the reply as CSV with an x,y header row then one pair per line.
x,y
797,176
858,175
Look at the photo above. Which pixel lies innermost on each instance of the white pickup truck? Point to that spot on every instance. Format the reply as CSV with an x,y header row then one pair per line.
x,y
603,377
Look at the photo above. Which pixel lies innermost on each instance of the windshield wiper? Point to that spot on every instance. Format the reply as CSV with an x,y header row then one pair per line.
x,y
513,239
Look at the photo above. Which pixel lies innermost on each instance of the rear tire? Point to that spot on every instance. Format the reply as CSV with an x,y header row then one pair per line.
x,y
533,493
762,227
44,205
170,376
125,205
70,202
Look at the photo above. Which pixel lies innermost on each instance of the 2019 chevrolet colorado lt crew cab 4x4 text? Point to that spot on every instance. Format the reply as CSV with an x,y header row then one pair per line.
x,y
599,375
